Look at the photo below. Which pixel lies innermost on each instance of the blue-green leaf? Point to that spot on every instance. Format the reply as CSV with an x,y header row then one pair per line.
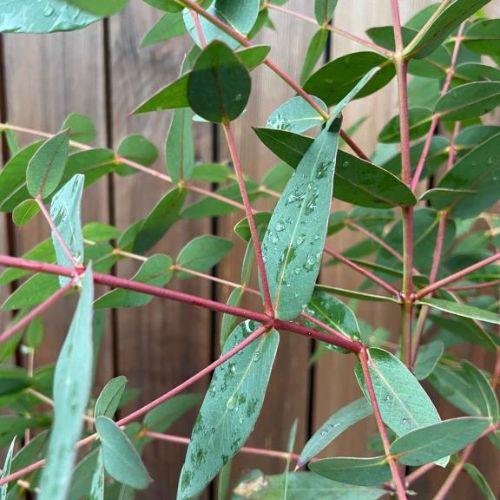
x,y
6,469
427,358
97,485
109,399
462,310
179,147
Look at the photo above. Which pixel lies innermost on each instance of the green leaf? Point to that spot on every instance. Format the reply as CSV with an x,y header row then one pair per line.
x,y
179,147
302,486
483,390
166,5
157,270
65,212
211,172
97,484
218,85
229,322
137,148
427,358
471,186
354,294
296,115
109,399
24,212
356,181
34,333
464,310
81,128
202,253
480,481
120,458
315,50
360,471
159,419
13,379
468,101
483,37
42,16
335,425
230,409
6,469
242,228
471,72
403,403
433,442
434,32
46,167
32,292
335,80
99,8
293,243
323,10
240,14
420,119
71,389
169,26
157,223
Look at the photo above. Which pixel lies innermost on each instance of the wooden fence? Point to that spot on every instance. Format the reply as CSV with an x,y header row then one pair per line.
x,y
101,72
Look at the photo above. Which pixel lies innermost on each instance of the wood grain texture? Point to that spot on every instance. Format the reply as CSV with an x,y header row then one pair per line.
x,y
48,77
164,343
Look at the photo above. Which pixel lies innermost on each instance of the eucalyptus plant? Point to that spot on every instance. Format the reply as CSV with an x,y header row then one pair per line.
x,y
427,249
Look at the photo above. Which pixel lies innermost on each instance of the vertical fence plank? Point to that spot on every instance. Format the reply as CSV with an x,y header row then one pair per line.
x,y
164,343
47,77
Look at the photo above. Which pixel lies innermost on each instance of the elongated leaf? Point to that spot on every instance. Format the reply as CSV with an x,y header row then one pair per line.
x,y
169,26
314,52
46,167
72,384
6,469
468,101
419,118
219,84
483,390
159,419
13,379
427,359
97,485
354,294
296,115
403,403
230,409
293,243
99,8
179,148
356,181
435,32
32,292
433,442
323,10
359,471
120,458
202,253
155,271
65,212
108,401
462,310
333,427
483,37
335,80
42,16
24,212
480,481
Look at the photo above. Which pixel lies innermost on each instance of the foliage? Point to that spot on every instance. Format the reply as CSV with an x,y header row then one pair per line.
x,y
422,204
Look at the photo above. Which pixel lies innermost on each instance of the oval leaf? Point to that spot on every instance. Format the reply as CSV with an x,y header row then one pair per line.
x,y
108,401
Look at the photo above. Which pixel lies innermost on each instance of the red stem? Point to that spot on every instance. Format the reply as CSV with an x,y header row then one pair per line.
x,y
473,286
39,309
251,222
400,488
456,276
116,282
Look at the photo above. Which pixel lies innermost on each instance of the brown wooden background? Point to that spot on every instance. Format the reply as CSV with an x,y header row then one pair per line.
x,y
102,72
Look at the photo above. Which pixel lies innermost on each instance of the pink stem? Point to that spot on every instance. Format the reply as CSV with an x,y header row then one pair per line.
x,y
400,488
362,271
116,282
251,222
474,286
456,276
41,308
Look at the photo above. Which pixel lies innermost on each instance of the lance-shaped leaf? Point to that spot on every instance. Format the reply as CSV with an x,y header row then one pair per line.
x,y
42,16
32,292
120,458
46,167
484,393
480,481
25,211
361,471
356,181
435,31
157,270
65,212
323,10
468,101
354,294
179,147
403,403
464,310
333,427
301,486
169,26
71,389
218,85
109,399
97,484
314,52
433,442
483,37
472,185
427,358
419,121
230,408
294,240
6,469
159,419
296,115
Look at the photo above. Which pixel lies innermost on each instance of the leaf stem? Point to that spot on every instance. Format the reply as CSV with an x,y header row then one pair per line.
x,y
330,27
391,460
268,304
